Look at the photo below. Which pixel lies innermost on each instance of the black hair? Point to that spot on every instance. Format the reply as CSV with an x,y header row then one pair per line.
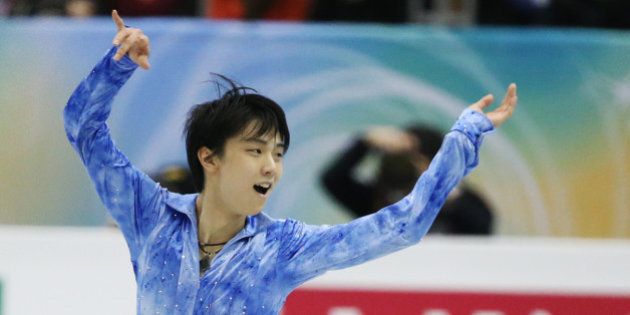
x,y
397,173
430,139
210,124
176,178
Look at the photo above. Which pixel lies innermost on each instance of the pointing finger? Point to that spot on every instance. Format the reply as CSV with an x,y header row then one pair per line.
x,y
118,20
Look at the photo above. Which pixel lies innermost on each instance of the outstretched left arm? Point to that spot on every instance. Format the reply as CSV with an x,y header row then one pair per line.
x,y
308,251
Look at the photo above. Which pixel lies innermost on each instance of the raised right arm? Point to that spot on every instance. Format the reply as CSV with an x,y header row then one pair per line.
x,y
131,197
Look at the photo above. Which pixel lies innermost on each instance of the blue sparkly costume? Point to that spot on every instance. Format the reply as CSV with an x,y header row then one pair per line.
x,y
264,262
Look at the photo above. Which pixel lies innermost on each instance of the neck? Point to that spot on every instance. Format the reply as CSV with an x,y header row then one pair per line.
x,y
215,223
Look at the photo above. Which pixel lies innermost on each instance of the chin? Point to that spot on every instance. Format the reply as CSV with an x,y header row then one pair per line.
x,y
256,210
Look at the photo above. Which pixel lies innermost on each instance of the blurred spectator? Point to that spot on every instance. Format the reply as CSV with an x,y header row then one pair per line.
x,y
404,155
5,7
176,178
72,8
151,7
80,8
392,11
37,7
288,10
443,12
584,13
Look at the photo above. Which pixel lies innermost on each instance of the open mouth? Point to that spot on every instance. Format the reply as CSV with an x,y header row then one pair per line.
x,y
262,188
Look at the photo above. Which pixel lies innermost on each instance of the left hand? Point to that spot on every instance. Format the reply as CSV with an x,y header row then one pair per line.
x,y
503,112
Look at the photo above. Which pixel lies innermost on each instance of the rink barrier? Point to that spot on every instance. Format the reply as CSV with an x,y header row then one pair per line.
x,y
70,270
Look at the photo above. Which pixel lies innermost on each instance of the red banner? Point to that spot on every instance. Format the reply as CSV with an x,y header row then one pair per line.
x,y
367,302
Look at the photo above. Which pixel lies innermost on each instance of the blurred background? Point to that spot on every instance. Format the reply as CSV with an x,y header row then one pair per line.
x,y
553,183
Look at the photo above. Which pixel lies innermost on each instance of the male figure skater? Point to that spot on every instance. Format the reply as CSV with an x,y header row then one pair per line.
x,y
215,252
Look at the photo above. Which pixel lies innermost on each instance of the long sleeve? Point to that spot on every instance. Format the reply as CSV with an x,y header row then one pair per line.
x,y
131,197
308,251
338,181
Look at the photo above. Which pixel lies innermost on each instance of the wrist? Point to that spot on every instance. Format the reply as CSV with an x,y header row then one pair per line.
x,y
473,123
125,63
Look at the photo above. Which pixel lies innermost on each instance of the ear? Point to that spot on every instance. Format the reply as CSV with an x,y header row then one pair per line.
x,y
209,161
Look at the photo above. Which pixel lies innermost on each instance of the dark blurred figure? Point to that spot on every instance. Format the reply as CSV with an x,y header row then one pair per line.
x,y
84,8
391,11
279,10
151,7
70,8
571,13
37,7
516,12
404,155
176,178
5,7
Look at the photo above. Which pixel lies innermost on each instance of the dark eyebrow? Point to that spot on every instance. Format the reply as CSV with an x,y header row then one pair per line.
x,y
261,141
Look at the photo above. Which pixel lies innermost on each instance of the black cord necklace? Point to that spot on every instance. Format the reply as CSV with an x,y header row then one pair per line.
x,y
211,244
204,262
210,253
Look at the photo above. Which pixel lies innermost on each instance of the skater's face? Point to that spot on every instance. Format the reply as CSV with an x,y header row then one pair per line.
x,y
248,171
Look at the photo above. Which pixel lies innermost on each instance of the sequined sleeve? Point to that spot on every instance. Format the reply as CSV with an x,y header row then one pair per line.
x,y
308,251
130,196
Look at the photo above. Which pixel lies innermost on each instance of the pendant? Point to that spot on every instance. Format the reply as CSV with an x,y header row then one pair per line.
x,y
204,264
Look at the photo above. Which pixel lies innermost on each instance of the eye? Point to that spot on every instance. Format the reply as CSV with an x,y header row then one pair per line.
x,y
279,154
255,151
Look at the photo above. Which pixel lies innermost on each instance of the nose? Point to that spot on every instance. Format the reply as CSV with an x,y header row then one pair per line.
x,y
269,166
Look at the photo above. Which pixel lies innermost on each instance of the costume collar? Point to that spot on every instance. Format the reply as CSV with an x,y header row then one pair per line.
x,y
185,204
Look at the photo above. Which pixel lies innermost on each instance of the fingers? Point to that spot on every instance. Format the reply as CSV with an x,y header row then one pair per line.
x,y
120,25
509,95
483,103
121,36
510,99
146,51
143,62
140,53
128,42
143,42
504,112
134,43
137,46
511,92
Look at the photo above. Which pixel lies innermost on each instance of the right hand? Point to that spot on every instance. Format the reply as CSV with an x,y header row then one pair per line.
x,y
390,140
131,41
